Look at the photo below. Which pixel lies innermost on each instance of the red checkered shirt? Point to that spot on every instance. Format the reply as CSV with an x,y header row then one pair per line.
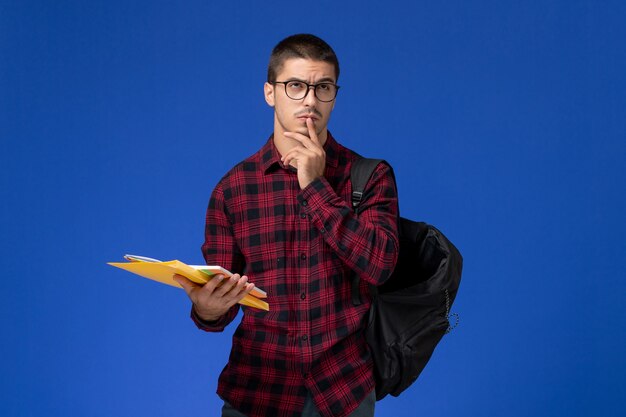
x,y
302,247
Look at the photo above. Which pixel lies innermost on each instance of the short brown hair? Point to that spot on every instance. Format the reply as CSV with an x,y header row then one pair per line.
x,y
300,46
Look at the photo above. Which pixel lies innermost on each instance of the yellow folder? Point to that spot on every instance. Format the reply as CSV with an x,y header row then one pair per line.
x,y
164,272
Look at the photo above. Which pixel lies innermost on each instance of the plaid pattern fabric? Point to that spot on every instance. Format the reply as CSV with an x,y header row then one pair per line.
x,y
301,246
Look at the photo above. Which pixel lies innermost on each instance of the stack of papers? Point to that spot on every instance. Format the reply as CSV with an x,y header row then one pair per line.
x,y
164,272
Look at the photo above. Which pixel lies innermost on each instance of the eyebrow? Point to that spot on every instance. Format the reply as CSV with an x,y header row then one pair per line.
x,y
322,80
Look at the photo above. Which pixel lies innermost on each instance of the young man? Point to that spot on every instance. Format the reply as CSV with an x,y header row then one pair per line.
x,y
283,217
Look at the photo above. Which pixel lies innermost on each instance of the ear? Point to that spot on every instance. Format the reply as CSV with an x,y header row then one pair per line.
x,y
268,90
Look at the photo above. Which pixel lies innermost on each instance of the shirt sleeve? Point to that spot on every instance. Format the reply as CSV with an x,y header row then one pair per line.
x,y
368,242
214,326
219,248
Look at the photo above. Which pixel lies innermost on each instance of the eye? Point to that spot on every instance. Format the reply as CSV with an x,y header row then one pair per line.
x,y
295,85
325,86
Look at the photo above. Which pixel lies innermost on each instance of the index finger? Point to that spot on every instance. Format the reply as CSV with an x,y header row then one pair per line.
x,y
312,133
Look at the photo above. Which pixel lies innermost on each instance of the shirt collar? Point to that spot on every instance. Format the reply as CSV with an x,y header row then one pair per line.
x,y
270,158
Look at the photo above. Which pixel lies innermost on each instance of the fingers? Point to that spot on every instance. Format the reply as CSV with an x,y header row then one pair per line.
x,y
193,289
312,141
230,292
312,133
237,293
214,298
310,147
304,140
231,287
298,153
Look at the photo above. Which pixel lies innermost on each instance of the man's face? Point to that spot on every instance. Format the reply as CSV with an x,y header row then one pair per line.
x,y
290,115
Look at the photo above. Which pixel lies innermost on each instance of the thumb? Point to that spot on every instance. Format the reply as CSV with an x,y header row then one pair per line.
x,y
187,285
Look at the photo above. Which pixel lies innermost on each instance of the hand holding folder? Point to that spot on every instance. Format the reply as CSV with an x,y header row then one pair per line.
x,y
201,274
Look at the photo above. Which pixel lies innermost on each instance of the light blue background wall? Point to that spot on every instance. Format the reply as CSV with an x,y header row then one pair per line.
x,y
505,121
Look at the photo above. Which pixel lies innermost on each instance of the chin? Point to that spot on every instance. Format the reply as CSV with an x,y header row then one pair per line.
x,y
302,129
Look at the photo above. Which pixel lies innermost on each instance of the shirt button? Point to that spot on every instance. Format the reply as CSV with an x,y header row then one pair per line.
x,y
303,256
303,216
303,296
305,337
305,375
323,230
305,203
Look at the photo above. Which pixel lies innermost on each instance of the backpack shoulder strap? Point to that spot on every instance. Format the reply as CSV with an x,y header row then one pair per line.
x,y
360,173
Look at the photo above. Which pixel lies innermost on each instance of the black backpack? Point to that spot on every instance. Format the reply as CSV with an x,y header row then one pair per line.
x,y
410,312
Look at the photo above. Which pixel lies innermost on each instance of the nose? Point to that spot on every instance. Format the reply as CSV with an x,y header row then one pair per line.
x,y
309,98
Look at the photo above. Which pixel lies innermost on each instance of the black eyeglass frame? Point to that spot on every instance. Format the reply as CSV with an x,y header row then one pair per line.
x,y
308,87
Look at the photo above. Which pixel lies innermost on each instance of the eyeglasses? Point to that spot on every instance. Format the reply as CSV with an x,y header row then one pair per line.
x,y
298,90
